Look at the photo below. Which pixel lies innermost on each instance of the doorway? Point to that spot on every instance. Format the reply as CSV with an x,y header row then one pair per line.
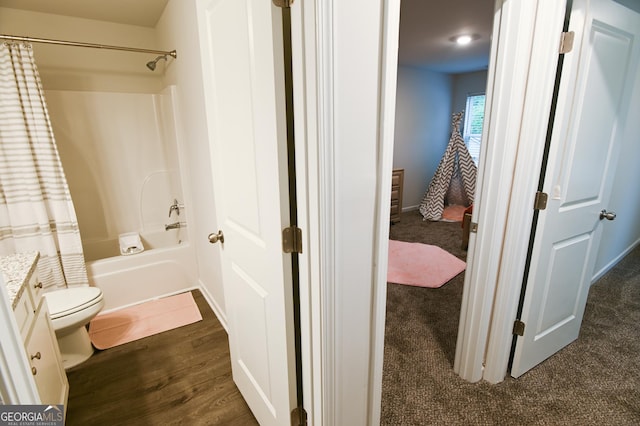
x,y
433,83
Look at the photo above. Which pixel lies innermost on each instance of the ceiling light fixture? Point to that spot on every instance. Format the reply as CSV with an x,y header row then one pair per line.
x,y
464,39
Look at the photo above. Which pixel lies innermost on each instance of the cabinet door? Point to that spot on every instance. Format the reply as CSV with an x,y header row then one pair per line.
x,y
44,356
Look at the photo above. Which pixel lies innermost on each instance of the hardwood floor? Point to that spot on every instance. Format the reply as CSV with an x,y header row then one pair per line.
x,y
181,376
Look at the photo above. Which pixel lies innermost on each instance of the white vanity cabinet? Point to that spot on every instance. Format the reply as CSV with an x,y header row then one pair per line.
x,y
44,357
32,317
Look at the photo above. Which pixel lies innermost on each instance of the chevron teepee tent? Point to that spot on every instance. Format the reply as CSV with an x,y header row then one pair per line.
x,y
455,179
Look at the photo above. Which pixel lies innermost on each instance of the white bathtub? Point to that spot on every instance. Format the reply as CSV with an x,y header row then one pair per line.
x,y
165,267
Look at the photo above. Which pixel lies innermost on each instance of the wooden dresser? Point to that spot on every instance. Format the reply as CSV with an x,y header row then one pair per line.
x,y
397,180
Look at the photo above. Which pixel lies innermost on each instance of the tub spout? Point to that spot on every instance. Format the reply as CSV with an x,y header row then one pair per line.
x,y
174,225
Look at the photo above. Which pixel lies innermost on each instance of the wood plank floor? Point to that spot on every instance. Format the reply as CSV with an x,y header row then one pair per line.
x,y
181,376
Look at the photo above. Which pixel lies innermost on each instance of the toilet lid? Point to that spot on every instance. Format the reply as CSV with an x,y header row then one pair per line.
x,y
70,300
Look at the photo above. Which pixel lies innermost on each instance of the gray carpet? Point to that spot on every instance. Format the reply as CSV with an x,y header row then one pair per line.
x,y
593,381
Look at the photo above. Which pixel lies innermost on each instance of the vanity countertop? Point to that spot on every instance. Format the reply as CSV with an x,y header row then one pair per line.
x,y
16,270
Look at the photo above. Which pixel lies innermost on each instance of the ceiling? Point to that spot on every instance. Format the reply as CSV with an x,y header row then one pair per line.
x,y
426,26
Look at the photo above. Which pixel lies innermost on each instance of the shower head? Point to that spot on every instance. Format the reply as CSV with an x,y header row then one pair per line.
x,y
152,64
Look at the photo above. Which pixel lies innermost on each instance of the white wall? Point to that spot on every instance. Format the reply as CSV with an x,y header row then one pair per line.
x,y
77,68
178,29
118,151
423,127
621,235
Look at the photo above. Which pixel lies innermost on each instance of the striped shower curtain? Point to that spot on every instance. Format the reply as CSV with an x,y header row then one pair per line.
x,y
36,211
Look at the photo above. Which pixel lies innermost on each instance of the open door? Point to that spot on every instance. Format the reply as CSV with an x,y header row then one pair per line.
x,y
243,70
593,96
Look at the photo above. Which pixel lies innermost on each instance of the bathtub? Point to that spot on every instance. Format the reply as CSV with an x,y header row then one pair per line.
x,y
165,267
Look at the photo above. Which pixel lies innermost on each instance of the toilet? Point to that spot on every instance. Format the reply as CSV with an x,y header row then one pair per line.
x,y
70,310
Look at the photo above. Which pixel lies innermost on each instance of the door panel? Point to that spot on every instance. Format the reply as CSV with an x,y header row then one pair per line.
x,y
242,58
592,103
607,67
560,301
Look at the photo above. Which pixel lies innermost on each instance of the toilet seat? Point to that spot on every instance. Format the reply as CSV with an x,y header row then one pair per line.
x,y
68,301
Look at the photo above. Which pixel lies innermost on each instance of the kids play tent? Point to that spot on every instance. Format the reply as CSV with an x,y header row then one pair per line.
x,y
454,182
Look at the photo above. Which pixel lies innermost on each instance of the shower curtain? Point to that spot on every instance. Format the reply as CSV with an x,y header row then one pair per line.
x,y
36,211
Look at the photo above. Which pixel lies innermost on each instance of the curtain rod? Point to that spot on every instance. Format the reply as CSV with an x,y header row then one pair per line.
x,y
171,53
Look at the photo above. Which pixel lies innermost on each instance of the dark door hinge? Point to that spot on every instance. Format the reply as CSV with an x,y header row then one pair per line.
x,y
540,202
518,328
283,3
292,240
298,417
566,42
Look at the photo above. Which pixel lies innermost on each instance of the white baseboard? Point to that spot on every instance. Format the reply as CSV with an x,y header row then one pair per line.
x,y
606,268
214,306
410,208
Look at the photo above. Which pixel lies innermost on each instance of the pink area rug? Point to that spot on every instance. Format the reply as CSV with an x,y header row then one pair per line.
x,y
421,265
143,320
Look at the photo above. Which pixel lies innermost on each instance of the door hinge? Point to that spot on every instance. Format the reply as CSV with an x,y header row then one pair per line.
x,y
283,3
540,202
298,417
518,328
473,227
566,42
292,240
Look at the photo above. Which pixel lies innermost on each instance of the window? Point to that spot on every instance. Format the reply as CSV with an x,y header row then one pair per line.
x,y
473,119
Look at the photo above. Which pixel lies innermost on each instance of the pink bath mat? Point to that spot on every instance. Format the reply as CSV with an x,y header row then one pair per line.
x,y
143,320
421,265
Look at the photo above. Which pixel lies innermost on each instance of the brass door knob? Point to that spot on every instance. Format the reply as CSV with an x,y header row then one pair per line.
x,y
214,238
607,215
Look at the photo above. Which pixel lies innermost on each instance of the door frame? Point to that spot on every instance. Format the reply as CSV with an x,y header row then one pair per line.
x,y
325,389
526,43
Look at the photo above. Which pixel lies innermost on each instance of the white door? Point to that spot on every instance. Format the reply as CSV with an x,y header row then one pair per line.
x,y
591,111
243,63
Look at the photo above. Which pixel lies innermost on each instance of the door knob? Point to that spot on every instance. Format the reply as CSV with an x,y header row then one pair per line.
x,y
214,238
607,215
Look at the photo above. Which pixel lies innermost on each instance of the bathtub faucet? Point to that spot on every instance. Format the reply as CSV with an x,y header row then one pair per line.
x,y
174,225
175,206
